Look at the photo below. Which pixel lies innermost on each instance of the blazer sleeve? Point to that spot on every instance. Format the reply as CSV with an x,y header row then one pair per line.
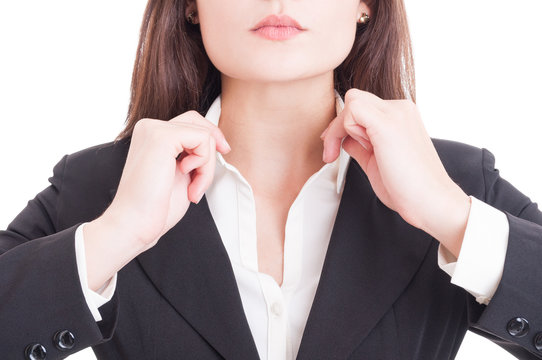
x,y
41,300
513,317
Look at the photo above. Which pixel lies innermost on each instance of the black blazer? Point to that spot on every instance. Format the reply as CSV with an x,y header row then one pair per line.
x,y
381,294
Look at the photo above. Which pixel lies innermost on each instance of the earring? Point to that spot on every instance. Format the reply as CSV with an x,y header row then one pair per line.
x,y
190,18
364,18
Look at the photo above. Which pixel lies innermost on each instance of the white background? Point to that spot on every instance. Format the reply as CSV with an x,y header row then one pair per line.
x,y
65,70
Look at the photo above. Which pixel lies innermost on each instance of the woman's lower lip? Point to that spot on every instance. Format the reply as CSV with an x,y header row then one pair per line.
x,y
277,32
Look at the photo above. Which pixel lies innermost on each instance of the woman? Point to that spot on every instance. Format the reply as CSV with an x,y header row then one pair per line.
x,y
246,271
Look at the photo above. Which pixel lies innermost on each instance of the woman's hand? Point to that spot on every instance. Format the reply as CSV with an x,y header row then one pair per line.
x,y
169,164
388,140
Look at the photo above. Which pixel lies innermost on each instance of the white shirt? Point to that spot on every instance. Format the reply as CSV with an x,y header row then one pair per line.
x,y
277,314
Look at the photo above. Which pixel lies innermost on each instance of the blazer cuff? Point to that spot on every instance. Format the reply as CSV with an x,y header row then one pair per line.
x,y
94,299
43,296
518,296
480,265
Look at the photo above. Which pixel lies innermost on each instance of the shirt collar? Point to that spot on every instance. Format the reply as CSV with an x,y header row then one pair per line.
x,y
213,115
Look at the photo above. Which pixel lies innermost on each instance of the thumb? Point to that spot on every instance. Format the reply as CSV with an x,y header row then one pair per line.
x,y
357,151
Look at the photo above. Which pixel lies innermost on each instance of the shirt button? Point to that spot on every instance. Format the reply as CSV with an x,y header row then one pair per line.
x,y
276,309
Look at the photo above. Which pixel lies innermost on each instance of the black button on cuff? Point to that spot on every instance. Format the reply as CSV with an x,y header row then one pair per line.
x,y
64,340
35,352
537,342
518,327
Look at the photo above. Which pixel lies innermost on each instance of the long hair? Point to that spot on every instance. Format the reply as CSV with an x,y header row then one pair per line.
x,y
173,74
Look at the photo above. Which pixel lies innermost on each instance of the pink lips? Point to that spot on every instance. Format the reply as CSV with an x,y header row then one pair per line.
x,y
278,27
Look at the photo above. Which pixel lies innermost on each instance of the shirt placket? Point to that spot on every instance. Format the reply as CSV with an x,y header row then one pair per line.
x,y
293,262
248,246
276,308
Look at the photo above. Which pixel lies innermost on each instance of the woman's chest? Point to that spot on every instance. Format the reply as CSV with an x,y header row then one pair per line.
x,y
271,218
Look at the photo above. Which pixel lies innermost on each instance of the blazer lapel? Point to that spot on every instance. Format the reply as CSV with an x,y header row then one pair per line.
x,y
190,267
371,257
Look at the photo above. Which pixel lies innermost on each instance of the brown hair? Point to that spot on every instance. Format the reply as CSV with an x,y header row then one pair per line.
x,y
173,74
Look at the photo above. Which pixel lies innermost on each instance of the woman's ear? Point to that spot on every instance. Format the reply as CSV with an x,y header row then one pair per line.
x,y
363,8
191,11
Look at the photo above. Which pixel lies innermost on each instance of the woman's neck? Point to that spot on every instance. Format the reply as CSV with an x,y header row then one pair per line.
x,y
274,128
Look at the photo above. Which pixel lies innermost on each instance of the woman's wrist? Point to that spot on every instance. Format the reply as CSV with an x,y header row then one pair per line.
x,y
109,246
447,219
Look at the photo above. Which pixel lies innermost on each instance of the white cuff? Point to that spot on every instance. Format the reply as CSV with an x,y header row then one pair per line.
x,y
105,293
480,264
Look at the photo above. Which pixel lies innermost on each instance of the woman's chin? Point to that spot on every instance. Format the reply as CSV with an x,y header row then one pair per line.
x,y
276,74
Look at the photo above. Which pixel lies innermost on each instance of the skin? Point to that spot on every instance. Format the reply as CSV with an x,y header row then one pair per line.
x,y
277,99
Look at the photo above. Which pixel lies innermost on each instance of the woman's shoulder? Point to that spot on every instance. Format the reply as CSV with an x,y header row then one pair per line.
x,y
106,155
103,162
465,163
457,153
86,181
96,167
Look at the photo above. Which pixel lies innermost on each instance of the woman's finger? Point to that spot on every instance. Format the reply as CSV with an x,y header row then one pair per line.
x,y
193,118
191,162
360,153
203,175
191,139
333,137
195,144
362,121
360,118
366,97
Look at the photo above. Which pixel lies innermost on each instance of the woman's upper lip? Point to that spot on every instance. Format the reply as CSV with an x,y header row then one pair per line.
x,y
277,20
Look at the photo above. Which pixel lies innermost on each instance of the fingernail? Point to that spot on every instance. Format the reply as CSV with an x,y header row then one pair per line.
x,y
324,133
227,145
362,144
